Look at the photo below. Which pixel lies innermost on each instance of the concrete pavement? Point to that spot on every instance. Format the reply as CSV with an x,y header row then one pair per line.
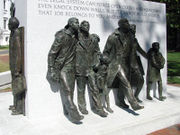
x,y
156,115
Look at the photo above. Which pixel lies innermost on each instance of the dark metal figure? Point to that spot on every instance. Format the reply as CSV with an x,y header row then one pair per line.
x,y
87,52
101,80
117,49
136,68
17,64
155,63
61,66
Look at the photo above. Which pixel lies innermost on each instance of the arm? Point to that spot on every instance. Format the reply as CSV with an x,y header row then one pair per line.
x,y
18,62
55,48
153,60
108,47
140,50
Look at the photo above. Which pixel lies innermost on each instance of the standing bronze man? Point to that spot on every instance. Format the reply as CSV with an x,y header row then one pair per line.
x,y
155,63
136,68
61,66
87,52
117,49
16,65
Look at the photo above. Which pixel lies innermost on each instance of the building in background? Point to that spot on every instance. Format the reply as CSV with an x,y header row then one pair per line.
x,y
4,18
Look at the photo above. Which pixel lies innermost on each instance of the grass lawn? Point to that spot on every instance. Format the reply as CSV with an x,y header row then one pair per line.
x,y
4,47
4,66
173,67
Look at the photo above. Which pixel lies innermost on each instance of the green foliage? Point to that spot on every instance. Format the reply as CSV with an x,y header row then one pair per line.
x,y
173,22
174,67
4,47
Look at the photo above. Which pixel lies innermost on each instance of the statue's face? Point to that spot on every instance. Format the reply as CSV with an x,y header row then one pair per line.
x,y
156,47
75,24
85,26
125,26
10,26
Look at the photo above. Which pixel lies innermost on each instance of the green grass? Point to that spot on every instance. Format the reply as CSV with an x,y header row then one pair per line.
x,y
4,66
4,47
173,67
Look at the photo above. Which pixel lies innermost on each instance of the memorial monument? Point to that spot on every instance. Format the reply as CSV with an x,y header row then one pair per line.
x,y
43,18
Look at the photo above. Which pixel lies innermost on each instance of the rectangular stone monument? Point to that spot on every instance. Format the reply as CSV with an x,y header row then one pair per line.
x,y
43,18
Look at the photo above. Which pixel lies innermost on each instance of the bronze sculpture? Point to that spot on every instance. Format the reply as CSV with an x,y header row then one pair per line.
x,y
16,56
136,68
61,66
101,80
117,49
87,52
155,63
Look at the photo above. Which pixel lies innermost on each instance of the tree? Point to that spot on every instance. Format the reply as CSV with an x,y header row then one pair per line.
x,y
173,23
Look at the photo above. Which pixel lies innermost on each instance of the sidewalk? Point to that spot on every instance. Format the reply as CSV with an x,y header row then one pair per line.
x,y
152,120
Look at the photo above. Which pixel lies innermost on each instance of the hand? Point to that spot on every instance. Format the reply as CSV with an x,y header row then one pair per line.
x,y
53,74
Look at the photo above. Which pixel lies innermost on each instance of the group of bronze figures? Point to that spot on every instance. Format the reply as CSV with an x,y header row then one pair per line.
x,y
75,55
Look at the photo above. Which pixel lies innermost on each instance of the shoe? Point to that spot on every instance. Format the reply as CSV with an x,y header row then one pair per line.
x,y
11,107
149,97
123,105
162,98
101,113
83,111
74,115
109,109
138,100
14,112
136,106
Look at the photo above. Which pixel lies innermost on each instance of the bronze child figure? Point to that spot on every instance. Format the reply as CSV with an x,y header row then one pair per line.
x,y
101,80
155,63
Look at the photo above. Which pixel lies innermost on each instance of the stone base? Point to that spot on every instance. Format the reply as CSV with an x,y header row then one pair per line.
x,y
156,115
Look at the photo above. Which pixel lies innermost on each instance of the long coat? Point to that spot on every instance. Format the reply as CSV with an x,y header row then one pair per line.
x,y
62,52
155,63
116,49
87,55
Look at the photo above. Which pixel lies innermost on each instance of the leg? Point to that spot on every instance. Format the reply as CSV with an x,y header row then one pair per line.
x,y
161,98
149,84
128,91
140,82
96,101
81,83
67,80
108,104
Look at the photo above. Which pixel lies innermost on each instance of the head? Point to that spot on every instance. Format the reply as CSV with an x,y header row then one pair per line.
x,y
133,28
13,23
155,46
124,25
95,38
73,23
84,26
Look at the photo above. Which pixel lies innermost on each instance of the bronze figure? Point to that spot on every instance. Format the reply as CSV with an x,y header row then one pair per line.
x,y
101,80
61,66
155,63
87,52
117,49
136,68
16,56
